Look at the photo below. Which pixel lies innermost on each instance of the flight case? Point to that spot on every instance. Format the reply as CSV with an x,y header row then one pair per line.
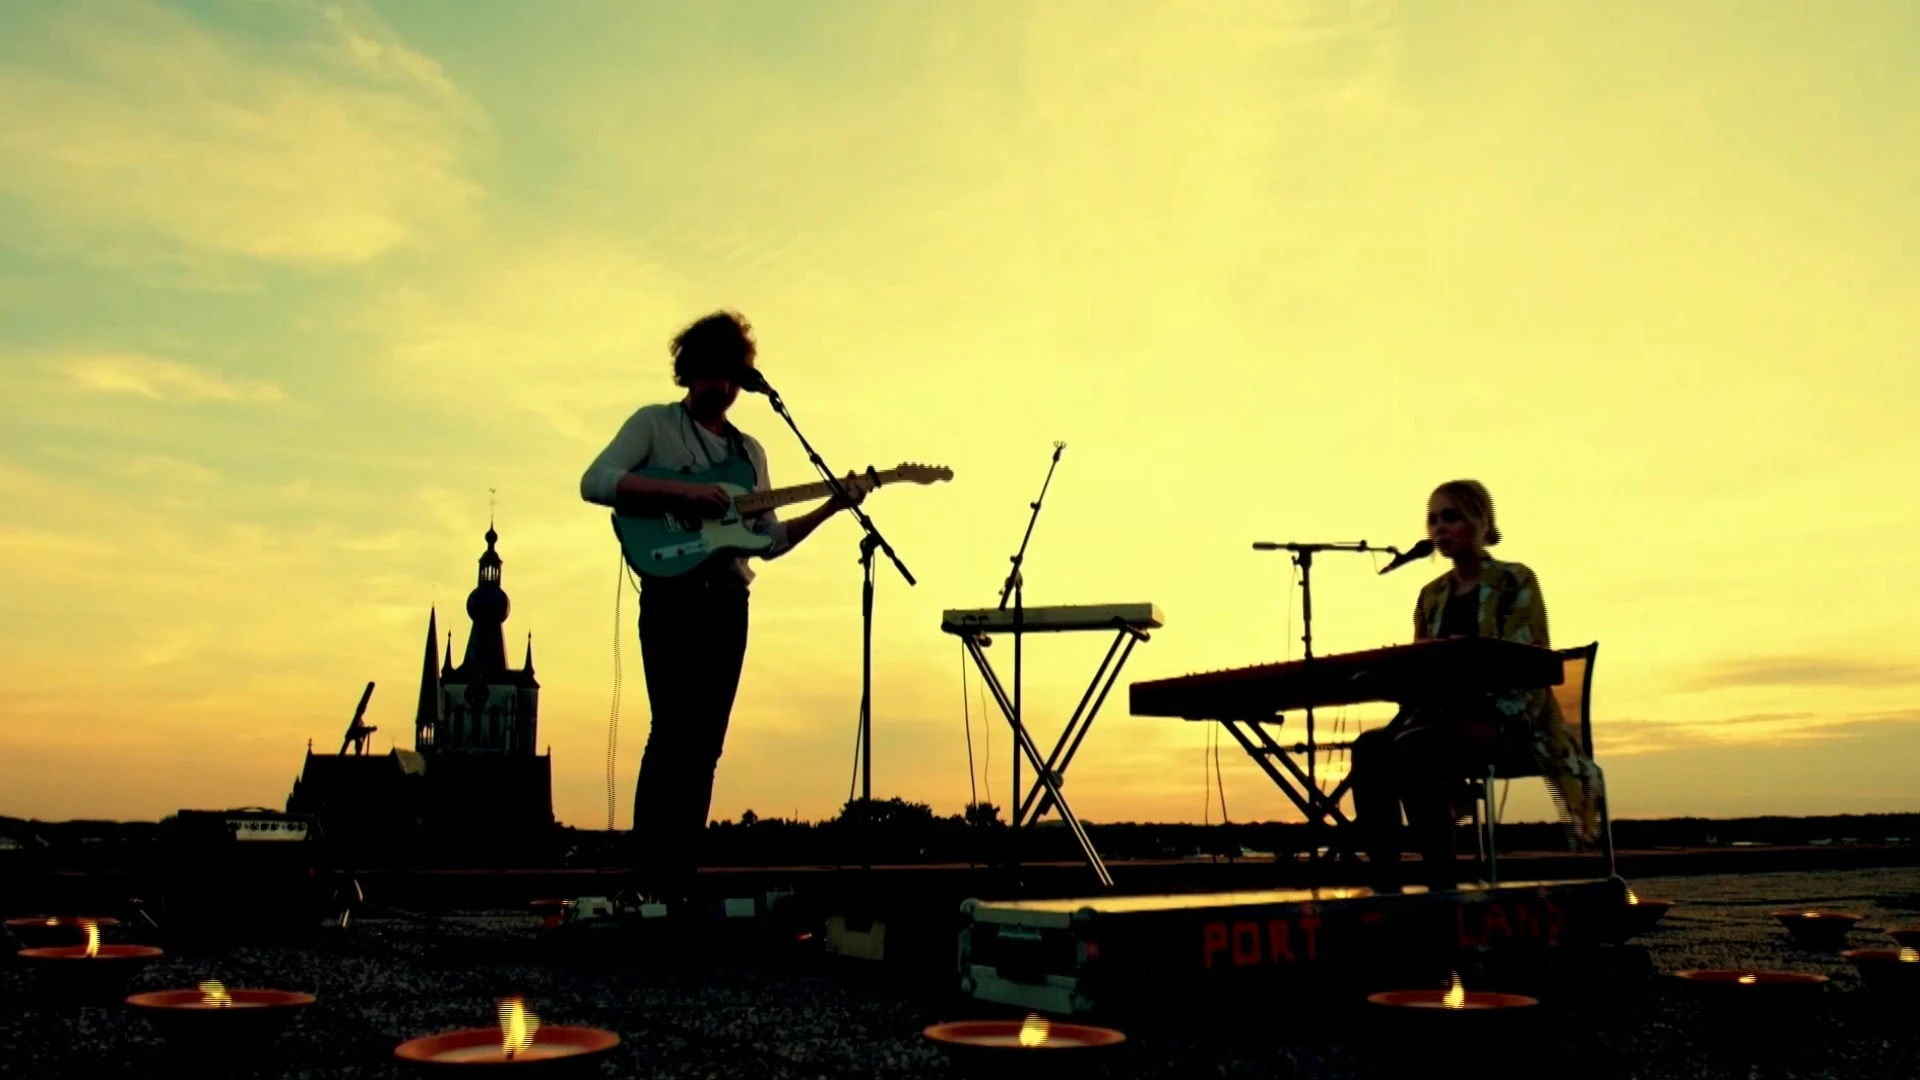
x,y
1088,955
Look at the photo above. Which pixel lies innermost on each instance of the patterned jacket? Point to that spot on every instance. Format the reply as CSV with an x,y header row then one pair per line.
x,y
1512,608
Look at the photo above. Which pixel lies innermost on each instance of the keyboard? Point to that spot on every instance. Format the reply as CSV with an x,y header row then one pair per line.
x,y
968,621
1396,673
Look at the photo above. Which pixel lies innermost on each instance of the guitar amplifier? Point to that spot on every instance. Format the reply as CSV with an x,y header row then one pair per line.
x,y
1110,954
244,874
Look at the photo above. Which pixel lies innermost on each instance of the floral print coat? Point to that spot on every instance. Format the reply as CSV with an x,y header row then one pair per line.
x,y
1511,608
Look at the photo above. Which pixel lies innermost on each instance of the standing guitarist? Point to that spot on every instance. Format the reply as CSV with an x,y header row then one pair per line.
x,y
693,627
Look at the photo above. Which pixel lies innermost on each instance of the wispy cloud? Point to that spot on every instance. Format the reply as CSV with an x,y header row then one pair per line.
x,y
166,380
507,329
1811,670
1625,738
135,127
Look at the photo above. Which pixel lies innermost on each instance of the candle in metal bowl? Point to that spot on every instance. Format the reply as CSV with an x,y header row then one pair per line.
x,y
1888,971
1413,1023
41,931
1752,982
1035,1046
1643,914
1907,937
1757,1015
90,970
520,1039
214,1015
1816,929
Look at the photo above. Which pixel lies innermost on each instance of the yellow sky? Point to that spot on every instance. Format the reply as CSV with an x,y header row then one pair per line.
x,y
285,289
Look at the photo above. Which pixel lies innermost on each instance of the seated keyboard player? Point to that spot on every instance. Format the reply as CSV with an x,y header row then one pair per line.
x,y
1423,760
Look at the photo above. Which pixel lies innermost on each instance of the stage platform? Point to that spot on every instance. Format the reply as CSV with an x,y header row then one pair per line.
x,y
1095,954
457,889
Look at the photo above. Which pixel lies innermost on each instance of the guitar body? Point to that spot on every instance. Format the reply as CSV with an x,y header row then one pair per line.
x,y
670,545
674,544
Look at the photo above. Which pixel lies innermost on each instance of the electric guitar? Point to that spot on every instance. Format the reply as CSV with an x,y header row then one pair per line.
x,y
673,543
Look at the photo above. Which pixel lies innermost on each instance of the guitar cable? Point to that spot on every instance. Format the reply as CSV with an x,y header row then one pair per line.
x,y
986,737
613,716
1219,782
966,713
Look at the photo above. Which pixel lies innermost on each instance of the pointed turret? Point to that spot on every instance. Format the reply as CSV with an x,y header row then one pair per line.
x,y
487,606
446,669
529,664
426,714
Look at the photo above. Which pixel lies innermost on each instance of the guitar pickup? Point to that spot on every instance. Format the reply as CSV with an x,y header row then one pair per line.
x,y
675,551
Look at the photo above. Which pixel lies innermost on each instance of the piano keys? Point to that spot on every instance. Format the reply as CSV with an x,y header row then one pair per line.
x,y
1420,670
1067,617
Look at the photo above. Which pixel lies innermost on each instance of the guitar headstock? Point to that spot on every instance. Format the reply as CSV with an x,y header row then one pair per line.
x,y
911,473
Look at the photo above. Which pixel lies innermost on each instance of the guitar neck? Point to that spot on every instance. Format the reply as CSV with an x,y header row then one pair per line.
x,y
762,501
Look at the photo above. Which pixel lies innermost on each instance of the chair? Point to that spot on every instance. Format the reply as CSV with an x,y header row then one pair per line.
x,y
1575,697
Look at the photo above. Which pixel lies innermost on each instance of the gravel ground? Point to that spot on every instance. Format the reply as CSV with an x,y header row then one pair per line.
x,y
386,980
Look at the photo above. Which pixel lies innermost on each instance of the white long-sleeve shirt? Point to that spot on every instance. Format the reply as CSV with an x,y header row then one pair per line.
x,y
666,437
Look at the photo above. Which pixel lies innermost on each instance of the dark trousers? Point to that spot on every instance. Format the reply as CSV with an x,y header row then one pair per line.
x,y
693,641
1420,762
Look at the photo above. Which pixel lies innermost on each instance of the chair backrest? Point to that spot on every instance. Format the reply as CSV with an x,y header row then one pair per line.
x,y
1575,695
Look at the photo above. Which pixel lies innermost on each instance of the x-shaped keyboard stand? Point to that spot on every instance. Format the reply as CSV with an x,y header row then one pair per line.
x,y
1317,805
1052,773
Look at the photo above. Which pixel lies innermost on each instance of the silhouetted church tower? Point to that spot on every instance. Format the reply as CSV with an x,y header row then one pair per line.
x,y
473,786
481,706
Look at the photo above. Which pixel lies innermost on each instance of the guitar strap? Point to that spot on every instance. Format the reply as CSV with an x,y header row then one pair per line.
x,y
736,447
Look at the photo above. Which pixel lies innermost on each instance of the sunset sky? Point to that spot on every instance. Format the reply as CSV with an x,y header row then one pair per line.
x,y
286,288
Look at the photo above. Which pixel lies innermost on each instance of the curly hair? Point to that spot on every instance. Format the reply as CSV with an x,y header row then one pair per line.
x,y
1475,504
720,344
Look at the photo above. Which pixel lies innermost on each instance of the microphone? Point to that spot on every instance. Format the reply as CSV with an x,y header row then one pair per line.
x,y
1420,551
752,382
1267,545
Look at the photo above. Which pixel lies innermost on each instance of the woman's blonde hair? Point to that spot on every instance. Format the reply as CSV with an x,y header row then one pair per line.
x,y
1476,505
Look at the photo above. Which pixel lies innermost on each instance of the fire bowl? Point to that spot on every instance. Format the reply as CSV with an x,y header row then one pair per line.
x,y
1469,1001
557,1050
1888,971
993,1048
1758,1018
1907,937
45,931
1641,915
186,1018
67,970
1749,981
1819,930
1412,1018
1751,994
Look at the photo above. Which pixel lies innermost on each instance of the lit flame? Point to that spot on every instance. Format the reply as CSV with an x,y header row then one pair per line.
x,y
1748,980
53,922
93,939
1909,956
1631,898
1456,995
215,994
1034,1031
1811,915
517,1025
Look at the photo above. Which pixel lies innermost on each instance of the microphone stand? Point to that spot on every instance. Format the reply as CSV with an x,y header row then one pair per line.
x,y
1016,586
1303,558
868,544
1014,580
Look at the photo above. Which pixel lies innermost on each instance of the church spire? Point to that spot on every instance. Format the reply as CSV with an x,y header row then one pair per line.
x,y
529,663
487,606
426,714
